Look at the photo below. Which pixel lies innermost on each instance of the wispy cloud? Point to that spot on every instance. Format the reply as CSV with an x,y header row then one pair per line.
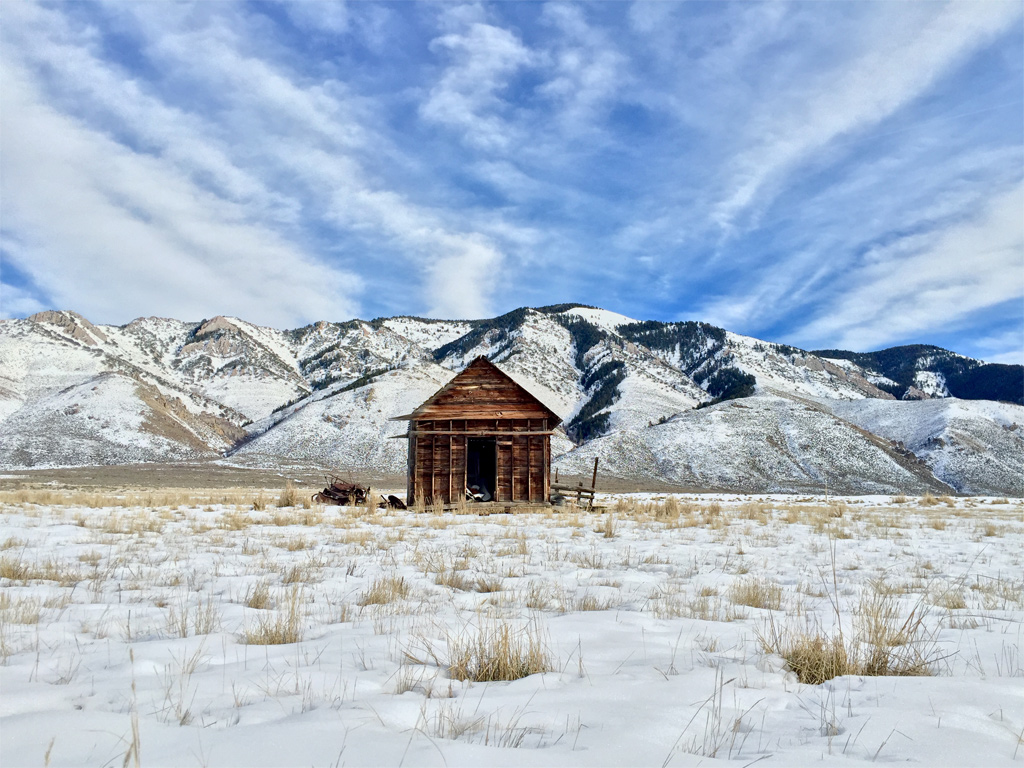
x,y
748,164
894,70
93,214
223,201
467,97
17,302
923,283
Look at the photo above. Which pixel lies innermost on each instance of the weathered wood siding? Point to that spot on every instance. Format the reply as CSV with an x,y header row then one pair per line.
x,y
481,402
438,453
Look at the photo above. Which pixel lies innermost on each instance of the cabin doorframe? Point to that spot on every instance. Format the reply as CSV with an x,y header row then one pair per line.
x,y
482,463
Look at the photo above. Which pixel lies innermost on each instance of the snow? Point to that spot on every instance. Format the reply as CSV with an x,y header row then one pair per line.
x,y
932,383
805,375
428,334
352,428
757,444
202,387
602,318
969,444
141,611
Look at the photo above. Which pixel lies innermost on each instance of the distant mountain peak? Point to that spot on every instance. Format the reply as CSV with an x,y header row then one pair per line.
x,y
72,392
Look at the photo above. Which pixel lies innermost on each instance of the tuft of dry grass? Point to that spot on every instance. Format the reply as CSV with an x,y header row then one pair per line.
x,y
233,520
488,584
590,603
453,579
289,496
201,619
757,593
498,651
20,610
884,645
282,627
386,589
258,596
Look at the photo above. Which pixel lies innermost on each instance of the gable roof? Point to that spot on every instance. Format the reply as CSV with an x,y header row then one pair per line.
x,y
482,391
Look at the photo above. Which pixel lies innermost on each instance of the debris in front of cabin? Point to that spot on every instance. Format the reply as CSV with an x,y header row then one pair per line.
x,y
391,502
341,493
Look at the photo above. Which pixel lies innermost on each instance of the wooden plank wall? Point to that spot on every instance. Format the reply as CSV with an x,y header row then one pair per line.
x,y
437,462
481,391
504,489
536,491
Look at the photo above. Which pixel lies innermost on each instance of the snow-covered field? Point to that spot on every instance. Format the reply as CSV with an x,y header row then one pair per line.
x,y
132,634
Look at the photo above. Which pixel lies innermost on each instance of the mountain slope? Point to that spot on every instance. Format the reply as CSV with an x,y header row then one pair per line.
x,y
919,370
974,446
640,394
760,444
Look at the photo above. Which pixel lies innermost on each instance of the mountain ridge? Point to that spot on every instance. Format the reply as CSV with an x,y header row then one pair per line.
x,y
326,392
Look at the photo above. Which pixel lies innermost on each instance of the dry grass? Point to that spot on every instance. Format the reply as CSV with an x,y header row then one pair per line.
x,y
166,498
883,645
233,520
257,596
282,627
202,618
16,569
671,601
498,651
289,496
590,603
453,579
20,610
488,584
384,590
757,593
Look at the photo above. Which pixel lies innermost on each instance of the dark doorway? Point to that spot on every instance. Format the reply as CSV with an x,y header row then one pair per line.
x,y
482,465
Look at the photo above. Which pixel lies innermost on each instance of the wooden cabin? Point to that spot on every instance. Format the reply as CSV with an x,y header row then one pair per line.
x,y
480,429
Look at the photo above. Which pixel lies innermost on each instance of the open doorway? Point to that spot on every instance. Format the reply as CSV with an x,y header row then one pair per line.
x,y
482,466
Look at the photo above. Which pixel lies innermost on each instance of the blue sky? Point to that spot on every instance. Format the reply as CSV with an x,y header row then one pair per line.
x,y
843,174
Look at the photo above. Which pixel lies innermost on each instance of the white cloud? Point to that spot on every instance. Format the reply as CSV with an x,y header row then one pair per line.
x,y
925,282
467,97
318,15
463,280
898,66
202,214
587,69
1006,347
118,234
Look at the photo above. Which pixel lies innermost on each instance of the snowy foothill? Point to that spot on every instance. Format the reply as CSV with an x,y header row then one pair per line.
x,y
211,629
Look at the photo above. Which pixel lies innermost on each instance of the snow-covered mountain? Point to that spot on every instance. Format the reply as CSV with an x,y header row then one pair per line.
x,y
686,403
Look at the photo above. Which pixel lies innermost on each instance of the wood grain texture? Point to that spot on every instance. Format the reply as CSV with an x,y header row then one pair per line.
x,y
481,401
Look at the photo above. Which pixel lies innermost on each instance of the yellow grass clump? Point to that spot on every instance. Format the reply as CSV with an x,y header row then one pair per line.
x,y
386,589
498,651
281,627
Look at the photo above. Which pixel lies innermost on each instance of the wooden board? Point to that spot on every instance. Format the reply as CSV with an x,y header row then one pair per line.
x,y
482,391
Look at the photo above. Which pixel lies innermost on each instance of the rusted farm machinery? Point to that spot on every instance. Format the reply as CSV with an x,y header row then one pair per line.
x,y
345,494
341,492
